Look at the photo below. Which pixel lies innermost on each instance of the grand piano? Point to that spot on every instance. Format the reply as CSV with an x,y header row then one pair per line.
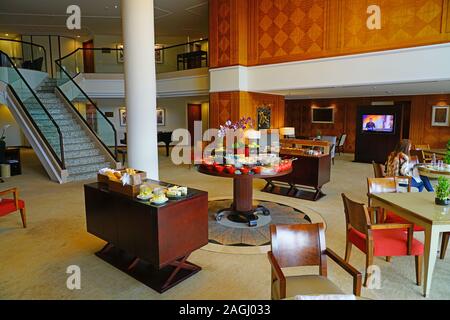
x,y
163,136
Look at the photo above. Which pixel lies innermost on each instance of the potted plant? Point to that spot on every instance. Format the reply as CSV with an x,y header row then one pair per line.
x,y
442,192
447,156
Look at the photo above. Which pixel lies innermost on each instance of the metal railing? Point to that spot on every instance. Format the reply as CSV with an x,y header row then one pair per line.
x,y
33,61
184,56
66,82
60,159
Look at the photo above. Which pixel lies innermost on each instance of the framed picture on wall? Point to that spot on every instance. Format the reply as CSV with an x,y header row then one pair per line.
x,y
160,117
264,114
123,117
159,53
120,57
440,116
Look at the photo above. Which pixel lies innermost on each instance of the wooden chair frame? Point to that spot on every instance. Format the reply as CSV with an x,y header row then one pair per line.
x,y
368,227
15,194
320,260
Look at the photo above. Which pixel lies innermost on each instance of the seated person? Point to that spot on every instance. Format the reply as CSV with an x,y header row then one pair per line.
x,y
399,164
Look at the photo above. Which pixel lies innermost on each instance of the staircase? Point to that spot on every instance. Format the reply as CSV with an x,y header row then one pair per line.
x,y
82,157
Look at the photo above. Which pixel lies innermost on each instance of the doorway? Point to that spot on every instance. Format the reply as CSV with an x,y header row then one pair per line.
x,y
88,57
194,113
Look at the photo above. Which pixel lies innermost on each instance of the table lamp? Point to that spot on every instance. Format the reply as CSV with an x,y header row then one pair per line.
x,y
287,132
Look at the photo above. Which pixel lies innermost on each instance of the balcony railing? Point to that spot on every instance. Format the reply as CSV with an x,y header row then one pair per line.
x,y
23,54
190,55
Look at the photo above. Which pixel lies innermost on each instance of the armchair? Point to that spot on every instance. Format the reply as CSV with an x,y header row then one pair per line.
x,y
382,239
304,245
8,206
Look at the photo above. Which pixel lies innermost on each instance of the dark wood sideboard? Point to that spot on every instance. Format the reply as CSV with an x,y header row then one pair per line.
x,y
148,242
308,176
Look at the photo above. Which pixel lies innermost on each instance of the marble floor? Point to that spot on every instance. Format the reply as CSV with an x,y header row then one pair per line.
x,y
33,261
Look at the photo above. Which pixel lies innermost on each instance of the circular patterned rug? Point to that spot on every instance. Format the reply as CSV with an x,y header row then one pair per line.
x,y
228,233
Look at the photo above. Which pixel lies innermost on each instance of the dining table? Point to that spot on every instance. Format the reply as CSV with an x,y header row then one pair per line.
x,y
420,209
434,172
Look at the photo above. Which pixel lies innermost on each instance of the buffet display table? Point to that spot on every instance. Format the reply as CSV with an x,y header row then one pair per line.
x,y
242,209
148,242
310,173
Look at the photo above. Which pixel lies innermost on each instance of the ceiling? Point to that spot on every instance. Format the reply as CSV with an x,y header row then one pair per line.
x,y
400,89
174,18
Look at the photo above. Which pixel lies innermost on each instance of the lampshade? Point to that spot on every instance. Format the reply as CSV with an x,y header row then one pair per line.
x,y
287,131
252,134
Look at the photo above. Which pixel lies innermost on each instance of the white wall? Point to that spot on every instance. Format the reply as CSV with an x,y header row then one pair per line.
x,y
419,64
175,112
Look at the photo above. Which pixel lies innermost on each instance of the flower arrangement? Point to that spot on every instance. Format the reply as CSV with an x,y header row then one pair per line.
x,y
241,124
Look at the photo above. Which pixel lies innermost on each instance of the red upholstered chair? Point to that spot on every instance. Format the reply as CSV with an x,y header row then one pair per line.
x,y
375,240
8,206
389,185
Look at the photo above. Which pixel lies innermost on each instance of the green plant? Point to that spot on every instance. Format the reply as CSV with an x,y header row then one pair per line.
x,y
443,188
447,156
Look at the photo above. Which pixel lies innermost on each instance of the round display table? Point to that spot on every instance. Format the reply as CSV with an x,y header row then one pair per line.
x,y
242,209
434,172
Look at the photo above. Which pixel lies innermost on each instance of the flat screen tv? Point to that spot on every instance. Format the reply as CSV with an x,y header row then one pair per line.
x,y
382,123
322,115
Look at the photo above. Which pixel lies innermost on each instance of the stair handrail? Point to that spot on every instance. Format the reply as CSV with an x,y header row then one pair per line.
x,y
86,123
33,44
117,49
115,155
61,161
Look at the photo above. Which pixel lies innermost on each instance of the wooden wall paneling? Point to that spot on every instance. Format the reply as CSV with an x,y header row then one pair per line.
x,y
298,115
257,32
404,23
446,19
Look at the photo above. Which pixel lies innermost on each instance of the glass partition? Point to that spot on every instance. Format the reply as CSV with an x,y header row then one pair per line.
x,y
185,56
24,55
32,106
96,120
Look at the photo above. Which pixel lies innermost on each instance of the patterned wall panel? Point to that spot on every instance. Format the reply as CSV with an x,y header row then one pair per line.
x,y
224,33
256,32
402,22
288,28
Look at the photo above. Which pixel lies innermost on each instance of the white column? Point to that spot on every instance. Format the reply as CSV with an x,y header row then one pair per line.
x,y
140,85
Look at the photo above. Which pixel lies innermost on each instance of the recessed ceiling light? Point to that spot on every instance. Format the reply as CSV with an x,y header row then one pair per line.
x,y
7,34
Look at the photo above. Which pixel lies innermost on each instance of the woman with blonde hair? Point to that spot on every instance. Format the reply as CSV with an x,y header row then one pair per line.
x,y
400,165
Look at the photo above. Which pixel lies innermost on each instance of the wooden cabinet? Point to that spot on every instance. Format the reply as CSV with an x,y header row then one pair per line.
x,y
309,172
150,243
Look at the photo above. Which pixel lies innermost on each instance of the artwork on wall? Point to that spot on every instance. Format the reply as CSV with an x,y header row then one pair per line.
x,y
440,116
159,54
160,117
120,57
264,115
123,117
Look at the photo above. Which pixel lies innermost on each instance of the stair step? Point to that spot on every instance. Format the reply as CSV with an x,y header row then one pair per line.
x,y
43,116
86,168
53,133
82,177
81,154
48,126
69,140
75,146
60,122
85,160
